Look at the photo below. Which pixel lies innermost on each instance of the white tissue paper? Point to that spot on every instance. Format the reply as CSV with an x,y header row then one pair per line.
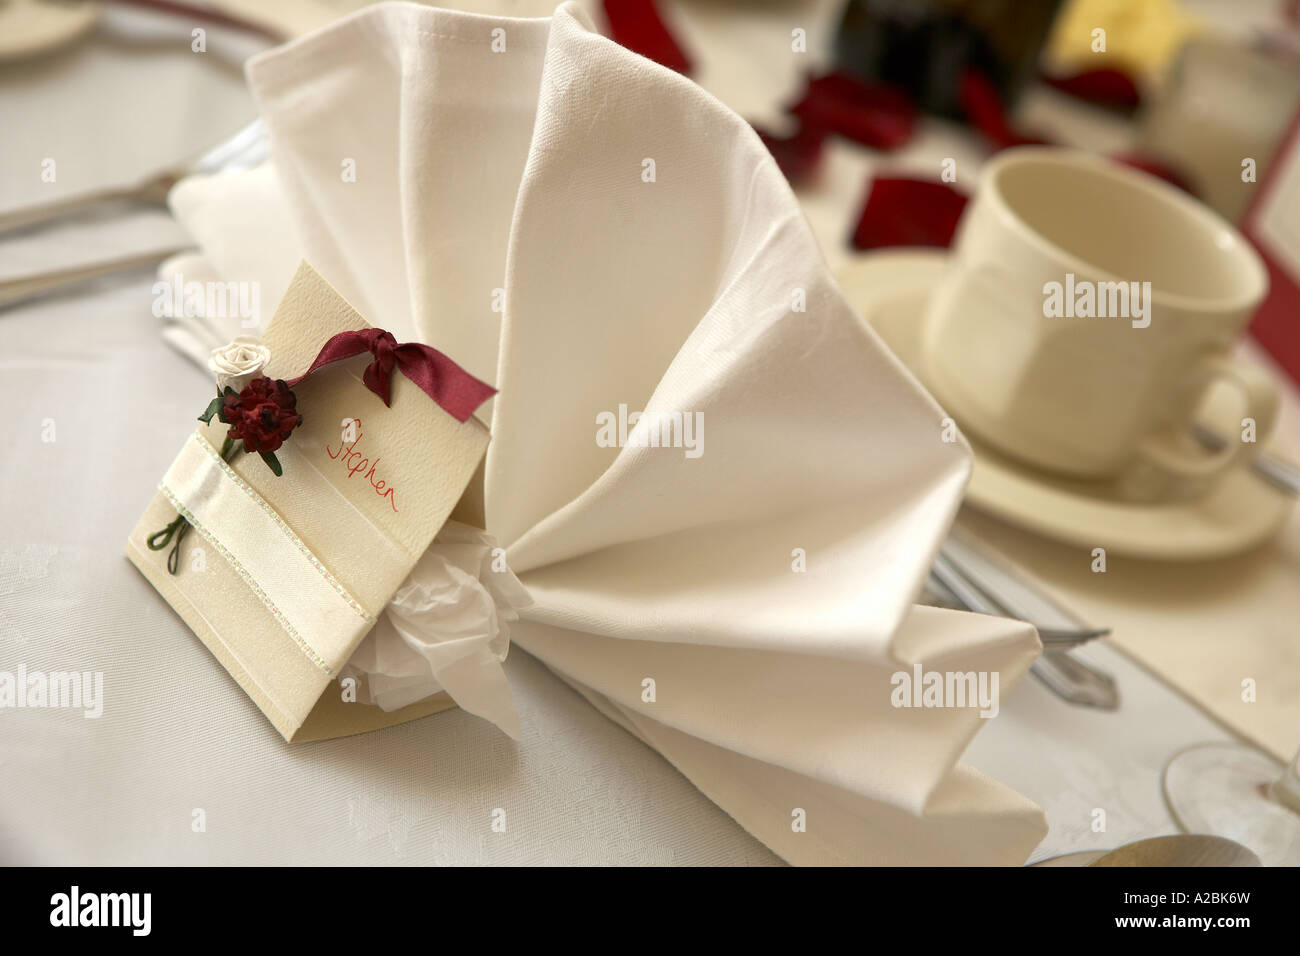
x,y
446,628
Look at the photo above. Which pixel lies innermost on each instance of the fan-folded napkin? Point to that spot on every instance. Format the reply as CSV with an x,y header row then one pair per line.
x,y
597,236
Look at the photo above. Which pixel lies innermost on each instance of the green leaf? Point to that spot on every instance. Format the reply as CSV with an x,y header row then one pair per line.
x,y
214,406
272,462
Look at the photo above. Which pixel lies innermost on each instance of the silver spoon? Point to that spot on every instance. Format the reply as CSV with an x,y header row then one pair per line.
x,y
1182,849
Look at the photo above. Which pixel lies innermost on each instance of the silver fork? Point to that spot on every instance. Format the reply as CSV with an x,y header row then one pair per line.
x,y
245,149
965,576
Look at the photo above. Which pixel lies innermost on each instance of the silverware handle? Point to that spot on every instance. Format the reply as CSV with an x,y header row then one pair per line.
x,y
1076,681
13,291
1070,678
152,190
1278,472
1281,474
970,596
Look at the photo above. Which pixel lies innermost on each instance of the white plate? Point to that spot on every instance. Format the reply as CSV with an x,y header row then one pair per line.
x,y
890,290
32,28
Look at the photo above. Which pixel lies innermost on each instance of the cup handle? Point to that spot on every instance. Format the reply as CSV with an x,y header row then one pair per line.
x,y
1260,396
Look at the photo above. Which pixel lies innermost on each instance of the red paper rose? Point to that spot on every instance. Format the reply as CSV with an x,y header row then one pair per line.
x,y
262,415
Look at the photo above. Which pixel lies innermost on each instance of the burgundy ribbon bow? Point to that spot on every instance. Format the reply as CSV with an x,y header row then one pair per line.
x,y
453,388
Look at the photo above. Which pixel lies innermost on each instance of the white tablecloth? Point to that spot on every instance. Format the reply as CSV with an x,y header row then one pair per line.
x,y
178,734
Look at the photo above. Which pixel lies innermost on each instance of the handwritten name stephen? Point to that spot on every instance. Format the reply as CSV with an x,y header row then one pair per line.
x,y
355,462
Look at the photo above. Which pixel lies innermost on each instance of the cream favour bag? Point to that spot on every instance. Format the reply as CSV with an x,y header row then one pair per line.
x,y
282,577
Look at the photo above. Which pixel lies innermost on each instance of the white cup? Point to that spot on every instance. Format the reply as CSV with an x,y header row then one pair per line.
x,y
1008,352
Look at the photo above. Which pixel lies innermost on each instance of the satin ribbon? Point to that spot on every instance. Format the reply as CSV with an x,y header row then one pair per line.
x,y
454,389
310,604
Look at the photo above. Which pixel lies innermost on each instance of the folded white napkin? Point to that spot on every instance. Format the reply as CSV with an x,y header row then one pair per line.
x,y
245,234
741,603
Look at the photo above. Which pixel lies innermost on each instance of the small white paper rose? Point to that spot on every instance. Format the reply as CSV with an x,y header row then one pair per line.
x,y
238,363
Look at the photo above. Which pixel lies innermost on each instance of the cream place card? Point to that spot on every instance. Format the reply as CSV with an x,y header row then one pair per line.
x,y
328,461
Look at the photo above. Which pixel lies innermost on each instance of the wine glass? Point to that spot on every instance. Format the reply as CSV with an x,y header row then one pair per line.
x,y
1234,791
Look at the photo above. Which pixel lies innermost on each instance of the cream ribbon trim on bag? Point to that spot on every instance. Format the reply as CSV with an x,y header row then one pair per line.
x,y
310,604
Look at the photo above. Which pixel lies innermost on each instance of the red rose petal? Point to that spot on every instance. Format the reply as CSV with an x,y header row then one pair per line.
x,y
1108,87
982,104
908,212
877,116
636,24
799,155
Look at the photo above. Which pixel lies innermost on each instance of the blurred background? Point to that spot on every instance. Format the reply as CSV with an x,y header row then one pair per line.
x,y
858,100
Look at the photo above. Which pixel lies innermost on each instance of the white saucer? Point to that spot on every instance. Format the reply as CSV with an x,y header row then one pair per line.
x,y
890,289
32,28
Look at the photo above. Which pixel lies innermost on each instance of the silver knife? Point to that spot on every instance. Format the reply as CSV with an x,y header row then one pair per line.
x,y
965,576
